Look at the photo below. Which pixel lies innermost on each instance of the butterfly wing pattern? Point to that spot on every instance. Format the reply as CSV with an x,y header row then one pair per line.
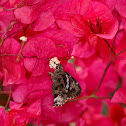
x,y
64,86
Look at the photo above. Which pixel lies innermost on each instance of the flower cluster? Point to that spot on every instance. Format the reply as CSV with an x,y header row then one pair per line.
x,y
87,37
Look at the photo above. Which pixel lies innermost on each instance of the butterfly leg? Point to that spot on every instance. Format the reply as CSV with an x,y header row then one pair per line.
x,y
52,75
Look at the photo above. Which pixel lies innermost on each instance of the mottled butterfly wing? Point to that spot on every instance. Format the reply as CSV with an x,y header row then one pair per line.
x,y
72,87
64,86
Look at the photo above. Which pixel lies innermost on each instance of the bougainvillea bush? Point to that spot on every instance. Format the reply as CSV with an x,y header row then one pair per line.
x,y
88,37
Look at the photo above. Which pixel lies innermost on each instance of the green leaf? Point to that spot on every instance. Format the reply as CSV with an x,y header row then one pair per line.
x,y
105,109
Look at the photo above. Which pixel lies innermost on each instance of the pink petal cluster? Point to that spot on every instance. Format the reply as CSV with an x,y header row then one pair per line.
x,y
89,39
2,116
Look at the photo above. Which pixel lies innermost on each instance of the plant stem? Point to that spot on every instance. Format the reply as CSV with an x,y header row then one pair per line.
x,y
9,97
109,46
10,55
5,92
88,97
109,60
22,45
9,27
108,65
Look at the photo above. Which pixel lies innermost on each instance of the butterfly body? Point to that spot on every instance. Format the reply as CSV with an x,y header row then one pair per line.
x,y
64,86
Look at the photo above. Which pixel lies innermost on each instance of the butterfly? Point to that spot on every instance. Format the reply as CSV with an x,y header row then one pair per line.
x,y
64,86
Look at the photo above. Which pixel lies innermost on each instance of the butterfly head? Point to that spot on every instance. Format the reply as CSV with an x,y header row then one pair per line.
x,y
59,66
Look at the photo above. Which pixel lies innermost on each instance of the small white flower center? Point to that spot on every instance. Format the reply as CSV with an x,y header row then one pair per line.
x,y
53,61
72,57
23,38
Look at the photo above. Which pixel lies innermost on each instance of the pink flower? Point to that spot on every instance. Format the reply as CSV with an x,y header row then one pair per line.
x,y
110,3
39,12
6,19
63,39
117,113
27,14
35,97
62,29
16,118
120,7
93,115
91,24
121,43
12,71
46,45
34,84
120,62
2,116
36,50
119,96
92,73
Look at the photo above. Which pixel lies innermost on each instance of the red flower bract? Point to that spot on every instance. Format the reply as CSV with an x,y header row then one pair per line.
x,y
13,72
27,15
119,96
38,47
117,113
2,116
97,21
87,37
